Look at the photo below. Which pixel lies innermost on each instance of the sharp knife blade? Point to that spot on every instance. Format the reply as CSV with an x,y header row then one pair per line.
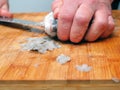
x,y
22,22
25,24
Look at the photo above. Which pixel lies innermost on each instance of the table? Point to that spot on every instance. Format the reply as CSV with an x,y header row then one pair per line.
x,y
31,70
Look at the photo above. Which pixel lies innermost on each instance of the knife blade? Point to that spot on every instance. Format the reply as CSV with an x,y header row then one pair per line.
x,y
21,22
24,24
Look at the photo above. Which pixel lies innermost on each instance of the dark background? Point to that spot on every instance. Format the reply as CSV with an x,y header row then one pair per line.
x,y
115,4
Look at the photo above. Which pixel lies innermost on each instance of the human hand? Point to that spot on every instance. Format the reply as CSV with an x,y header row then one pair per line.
x,y
74,17
4,9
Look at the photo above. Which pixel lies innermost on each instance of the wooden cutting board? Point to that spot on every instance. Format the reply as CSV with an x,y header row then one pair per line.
x,y
103,56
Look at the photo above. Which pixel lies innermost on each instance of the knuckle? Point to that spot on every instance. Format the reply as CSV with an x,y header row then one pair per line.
x,y
81,20
102,23
66,17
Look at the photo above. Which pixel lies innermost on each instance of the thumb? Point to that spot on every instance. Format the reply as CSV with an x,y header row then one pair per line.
x,y
56,12
57,4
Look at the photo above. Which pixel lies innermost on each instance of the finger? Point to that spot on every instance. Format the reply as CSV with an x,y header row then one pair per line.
x,y
56,7
80,23
56,4
111,26
65,19
4,10
99,25
5,13
5,7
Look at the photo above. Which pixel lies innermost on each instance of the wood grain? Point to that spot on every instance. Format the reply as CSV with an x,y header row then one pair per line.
x,y
24,67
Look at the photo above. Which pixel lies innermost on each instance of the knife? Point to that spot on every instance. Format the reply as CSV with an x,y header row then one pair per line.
x,y
21,22
49,24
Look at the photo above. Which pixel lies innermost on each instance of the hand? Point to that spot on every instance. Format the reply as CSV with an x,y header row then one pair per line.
x,y
4,9
74,17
